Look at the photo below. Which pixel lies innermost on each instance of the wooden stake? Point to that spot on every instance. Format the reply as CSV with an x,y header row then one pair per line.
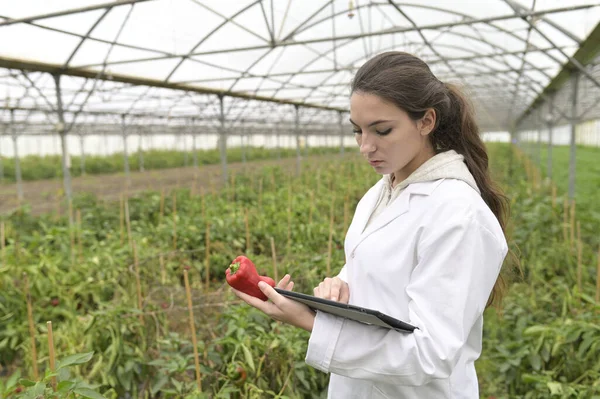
x,y
565,220
51,353
79,234
138,284
163,273
188,294
260,192
289,212
311,206
207,255
162,206
274,256
598,277
572,222
122,218
2,245
36,375
579,258
203,206
174,221
330,244
128,223
247,230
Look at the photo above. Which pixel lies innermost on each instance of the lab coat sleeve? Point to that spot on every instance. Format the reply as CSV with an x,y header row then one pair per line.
x,y
343,274
457,265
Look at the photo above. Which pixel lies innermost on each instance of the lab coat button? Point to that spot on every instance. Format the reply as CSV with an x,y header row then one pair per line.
x,y
352,255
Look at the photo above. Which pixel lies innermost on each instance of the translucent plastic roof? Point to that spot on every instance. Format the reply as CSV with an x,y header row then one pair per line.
x,y
149,59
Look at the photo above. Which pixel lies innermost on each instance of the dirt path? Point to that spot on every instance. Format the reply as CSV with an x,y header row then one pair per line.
x,y
42,195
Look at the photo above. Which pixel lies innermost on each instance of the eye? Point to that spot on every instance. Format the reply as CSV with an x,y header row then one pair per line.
x,y
356,131
386,132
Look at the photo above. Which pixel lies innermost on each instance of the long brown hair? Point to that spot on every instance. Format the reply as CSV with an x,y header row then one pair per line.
x,y
407,82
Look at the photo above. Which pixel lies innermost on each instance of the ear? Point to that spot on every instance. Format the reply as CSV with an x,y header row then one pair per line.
x,y
427,122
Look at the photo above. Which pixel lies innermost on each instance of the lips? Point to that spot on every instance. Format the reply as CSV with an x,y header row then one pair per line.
x,y
375,162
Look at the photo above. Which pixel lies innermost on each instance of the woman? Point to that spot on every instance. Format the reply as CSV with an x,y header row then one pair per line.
x,y
426,244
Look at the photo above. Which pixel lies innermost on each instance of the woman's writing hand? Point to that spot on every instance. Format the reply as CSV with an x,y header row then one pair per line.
x,y
334,289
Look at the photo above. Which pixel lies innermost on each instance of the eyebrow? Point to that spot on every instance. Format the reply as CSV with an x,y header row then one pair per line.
x,y
372,123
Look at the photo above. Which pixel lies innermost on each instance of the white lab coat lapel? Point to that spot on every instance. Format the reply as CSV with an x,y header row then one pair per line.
x,y
400,206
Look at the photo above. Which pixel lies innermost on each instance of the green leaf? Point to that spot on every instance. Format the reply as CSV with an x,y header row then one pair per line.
x,y
555,388
64,386
158,384
88,393
26,383
248,357
12,381
78,358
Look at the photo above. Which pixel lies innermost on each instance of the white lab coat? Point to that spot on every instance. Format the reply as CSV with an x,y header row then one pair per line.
x,y
430,259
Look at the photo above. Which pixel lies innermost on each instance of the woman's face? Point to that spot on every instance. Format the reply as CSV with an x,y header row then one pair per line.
x,y
388,138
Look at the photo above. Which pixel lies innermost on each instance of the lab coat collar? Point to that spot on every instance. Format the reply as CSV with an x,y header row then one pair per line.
x,y
398,207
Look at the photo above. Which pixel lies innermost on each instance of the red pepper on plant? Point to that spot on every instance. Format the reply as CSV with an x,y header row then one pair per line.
x,y
242,276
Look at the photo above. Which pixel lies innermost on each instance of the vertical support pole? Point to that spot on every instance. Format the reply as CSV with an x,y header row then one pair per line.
x,y
62,131
223,143
18,177
549,120
185,151
125,153
1,162
297,131
82,160
572,168
341,133
538,151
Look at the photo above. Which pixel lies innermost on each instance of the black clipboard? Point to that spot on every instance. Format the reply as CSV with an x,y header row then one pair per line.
x,y
352,312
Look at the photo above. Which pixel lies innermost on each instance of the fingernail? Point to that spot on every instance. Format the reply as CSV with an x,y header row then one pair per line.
x,y
261,284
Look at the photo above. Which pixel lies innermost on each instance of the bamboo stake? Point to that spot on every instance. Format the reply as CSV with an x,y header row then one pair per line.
x,y
36,375
346,213
51,353
122,218
579,258
207,255
260,192
330,244
598,277
163,273
188,294
572,222
274,256
311,206
174,221
2,244
203,206
128,222
247,230
162,206
565,220
71,233
138,284
289,213
79,233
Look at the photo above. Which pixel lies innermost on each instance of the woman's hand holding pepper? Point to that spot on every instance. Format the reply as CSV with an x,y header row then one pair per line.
x,y
334,289
279,307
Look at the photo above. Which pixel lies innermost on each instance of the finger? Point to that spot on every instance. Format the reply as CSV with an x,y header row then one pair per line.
x,y
344,292
317,292
290,286
326,289
270,292
334,293
258,303
284,281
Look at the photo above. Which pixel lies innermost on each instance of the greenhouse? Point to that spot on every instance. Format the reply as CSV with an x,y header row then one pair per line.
x,y
224,128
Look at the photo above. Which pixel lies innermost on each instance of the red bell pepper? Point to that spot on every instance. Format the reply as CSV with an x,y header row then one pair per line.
x,y
242,276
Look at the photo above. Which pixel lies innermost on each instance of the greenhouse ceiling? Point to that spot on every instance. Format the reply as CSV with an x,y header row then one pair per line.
x,y
271,61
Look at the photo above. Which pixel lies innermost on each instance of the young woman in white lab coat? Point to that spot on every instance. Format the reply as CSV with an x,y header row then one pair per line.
x,y
426,244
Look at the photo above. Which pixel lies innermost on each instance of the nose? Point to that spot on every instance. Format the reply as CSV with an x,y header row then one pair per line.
x,y
366,143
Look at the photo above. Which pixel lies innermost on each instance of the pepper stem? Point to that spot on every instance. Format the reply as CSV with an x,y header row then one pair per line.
x,y
234,267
